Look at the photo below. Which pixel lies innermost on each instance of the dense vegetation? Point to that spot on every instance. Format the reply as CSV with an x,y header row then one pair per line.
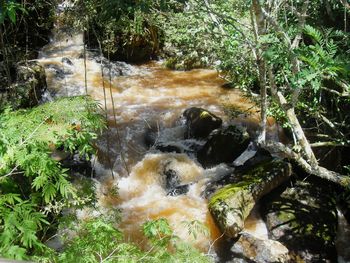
x,y
298,64
295,54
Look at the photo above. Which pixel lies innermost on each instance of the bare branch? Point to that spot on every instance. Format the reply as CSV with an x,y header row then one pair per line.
x,y
318,171
340,94
325,144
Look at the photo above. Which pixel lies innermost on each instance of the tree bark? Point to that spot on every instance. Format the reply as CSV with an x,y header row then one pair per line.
x,y
259,29
293,120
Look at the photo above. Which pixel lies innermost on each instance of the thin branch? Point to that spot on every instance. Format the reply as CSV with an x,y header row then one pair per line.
x,y
330,124
340,94
325,144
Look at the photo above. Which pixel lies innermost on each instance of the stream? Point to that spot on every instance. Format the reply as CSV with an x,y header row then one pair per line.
x,y
139,98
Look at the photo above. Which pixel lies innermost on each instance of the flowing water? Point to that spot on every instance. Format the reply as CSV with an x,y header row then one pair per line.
x,y
138,97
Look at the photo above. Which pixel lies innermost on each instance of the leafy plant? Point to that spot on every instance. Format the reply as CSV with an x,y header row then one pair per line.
x,y
31,181
9,9
98,240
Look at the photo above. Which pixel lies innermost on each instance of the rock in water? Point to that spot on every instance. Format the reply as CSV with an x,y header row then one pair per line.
x,y
172,181
223,146
200,123
231,205
67,61
253,249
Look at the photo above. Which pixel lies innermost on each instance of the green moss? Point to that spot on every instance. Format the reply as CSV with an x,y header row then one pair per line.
x,y
227,191
250,179
285,216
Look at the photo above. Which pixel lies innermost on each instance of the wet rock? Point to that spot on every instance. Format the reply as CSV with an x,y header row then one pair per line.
x,y
232,204
28,87
115,68
168,147
172,182
260,156
200,123
252,249
170,140
77,164
248,154
151,135
303,218
67,61
179,190
60,72
223,146
171,179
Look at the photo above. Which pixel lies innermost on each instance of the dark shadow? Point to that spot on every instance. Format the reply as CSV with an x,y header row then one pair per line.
x,y
302,216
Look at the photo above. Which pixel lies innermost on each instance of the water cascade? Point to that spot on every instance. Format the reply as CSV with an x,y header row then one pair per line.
x,y
140,97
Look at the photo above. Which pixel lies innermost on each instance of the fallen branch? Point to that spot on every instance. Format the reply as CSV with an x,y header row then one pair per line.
x,y
318,171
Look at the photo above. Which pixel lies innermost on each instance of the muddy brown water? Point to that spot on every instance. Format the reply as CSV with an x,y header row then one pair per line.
x,y
145,95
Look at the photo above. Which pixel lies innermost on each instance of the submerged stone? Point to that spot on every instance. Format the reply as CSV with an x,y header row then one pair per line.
x,y
232,204
172,179
179,190
168,147
67,61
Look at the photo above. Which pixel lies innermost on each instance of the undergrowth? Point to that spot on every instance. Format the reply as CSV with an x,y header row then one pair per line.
x,y
34,187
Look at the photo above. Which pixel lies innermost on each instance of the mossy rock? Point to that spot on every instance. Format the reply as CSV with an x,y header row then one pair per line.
x,y
231,205
28,87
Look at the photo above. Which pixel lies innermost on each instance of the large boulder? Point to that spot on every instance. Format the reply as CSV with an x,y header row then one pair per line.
x,y
232,204
28,87
249,248
223,146
200,123
303,217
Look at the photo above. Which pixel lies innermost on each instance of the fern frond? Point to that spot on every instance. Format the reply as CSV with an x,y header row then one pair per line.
x,y
314,33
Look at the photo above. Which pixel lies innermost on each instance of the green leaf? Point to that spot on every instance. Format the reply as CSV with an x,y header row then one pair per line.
x,y
12,15
49,192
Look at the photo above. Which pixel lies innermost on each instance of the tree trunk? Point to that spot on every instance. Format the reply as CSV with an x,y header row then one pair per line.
x,y
259,28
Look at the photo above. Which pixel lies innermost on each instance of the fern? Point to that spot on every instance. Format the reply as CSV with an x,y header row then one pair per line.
x,y
98,240
27,171
196,227
314,33
19,225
